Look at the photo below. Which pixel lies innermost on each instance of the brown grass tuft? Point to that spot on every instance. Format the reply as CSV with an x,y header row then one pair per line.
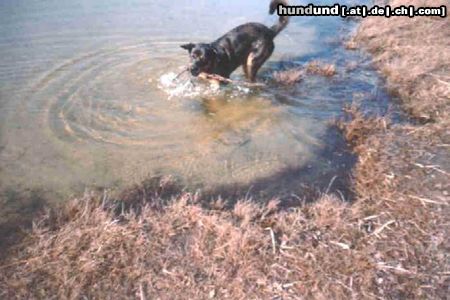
x,y
358,127
288,77
322,69
295,75
350,45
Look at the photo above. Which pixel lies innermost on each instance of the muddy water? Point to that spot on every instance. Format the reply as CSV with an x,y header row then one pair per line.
x,y
85,99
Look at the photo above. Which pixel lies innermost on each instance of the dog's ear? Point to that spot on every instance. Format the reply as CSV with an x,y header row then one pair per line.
x,y
188,47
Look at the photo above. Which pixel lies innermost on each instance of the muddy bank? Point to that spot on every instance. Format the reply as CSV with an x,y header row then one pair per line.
x,y
390,243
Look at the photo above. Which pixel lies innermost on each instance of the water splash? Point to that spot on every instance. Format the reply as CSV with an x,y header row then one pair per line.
x,y
180,86
78,109
177,85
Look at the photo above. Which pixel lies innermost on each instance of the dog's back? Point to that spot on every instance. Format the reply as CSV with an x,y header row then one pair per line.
x,y
249,45
252,31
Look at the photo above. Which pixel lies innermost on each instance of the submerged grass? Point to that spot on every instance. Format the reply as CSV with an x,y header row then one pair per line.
x,y
390,243
295,75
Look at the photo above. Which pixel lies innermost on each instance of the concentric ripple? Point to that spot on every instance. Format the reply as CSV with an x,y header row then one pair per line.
x,y
102,117
104,97
87,98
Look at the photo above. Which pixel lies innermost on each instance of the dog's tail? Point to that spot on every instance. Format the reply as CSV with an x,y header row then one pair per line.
x,y
283,20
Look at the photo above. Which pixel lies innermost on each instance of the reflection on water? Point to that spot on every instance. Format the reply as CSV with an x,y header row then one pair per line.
x,y
83,101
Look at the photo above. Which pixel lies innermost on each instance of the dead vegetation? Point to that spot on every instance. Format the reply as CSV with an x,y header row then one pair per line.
x,y
322,69
360,127
414,56
17,210
390,243
295,75
288,77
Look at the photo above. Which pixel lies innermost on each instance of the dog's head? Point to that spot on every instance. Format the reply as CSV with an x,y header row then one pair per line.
x,y
203,58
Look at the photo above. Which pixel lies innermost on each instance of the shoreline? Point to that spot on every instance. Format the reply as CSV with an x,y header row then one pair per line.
x,y
389,243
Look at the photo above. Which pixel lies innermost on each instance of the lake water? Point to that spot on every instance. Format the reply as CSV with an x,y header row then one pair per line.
x,y
83,104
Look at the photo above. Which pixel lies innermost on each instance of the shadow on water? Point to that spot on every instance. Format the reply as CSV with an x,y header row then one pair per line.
x,y
294,186
86,114
18,210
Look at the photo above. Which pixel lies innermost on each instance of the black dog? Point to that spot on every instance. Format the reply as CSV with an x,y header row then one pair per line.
x,y
249,45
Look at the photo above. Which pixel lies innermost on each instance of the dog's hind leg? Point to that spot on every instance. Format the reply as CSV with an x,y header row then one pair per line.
x,y
245,69
257,58
247,66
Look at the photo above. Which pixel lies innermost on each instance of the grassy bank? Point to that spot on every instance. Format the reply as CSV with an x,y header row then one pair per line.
x,y
390,243
414,56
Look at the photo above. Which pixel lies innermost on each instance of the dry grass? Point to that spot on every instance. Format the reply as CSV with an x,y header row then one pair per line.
x,y
17,208
391,243
360,127
414,56
402,182
295,75
322,69
288,77
179,252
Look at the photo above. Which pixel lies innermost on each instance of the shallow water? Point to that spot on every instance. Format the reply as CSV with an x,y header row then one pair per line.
x,y
84,99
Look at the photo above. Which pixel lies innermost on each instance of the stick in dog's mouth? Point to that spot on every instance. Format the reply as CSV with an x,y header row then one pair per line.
x,y
181,73
220,79
248,45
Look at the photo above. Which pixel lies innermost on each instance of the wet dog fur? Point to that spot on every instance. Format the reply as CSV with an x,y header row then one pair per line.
x,y
248,45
